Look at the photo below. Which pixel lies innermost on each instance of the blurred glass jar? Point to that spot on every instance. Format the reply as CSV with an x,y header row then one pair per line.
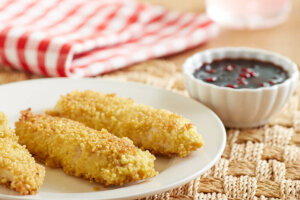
x,y
248,14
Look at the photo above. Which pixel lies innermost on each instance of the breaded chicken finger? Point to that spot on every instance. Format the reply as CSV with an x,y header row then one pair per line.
x,y
18,170
5,130
84,152
158,130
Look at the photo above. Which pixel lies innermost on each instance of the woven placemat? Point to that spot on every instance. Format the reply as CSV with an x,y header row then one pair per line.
x,y
261,163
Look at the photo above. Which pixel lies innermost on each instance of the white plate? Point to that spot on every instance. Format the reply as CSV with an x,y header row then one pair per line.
x,y
43,93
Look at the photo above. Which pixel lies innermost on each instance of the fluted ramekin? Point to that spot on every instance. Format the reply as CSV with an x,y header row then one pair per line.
x,y
240,108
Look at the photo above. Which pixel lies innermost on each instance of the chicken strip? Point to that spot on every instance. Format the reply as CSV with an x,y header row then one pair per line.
x,y
158,130
18,169
5,130
84,152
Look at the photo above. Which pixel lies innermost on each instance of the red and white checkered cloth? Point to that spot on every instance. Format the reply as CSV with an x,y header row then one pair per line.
x,y
79,38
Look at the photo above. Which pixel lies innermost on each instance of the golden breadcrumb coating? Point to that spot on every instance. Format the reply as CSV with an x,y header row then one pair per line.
x,y
158,130
5,130
18,169
81,151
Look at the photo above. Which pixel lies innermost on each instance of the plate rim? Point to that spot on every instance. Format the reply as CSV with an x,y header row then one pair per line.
x,y
150,192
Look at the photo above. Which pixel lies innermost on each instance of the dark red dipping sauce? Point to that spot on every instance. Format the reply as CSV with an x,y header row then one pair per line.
x,y
241,73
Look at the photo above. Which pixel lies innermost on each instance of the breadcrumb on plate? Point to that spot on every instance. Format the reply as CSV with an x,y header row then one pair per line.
x,y
158,130
18,169
84,152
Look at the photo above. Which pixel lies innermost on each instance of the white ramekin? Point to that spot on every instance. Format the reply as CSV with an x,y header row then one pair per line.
x,y
240,108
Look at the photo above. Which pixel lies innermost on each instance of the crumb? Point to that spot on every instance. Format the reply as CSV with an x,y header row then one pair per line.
x,y
97,188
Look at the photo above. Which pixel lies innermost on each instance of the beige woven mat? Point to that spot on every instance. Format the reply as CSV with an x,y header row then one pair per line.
x,y
262,163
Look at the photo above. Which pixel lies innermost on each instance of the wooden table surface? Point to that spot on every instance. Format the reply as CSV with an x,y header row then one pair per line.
x,y
284,39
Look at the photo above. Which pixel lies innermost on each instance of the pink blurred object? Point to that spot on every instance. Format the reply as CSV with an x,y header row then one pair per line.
x,y
248,14
77,38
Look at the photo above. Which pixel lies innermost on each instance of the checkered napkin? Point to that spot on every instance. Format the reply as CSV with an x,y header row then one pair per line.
x,y
78,38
